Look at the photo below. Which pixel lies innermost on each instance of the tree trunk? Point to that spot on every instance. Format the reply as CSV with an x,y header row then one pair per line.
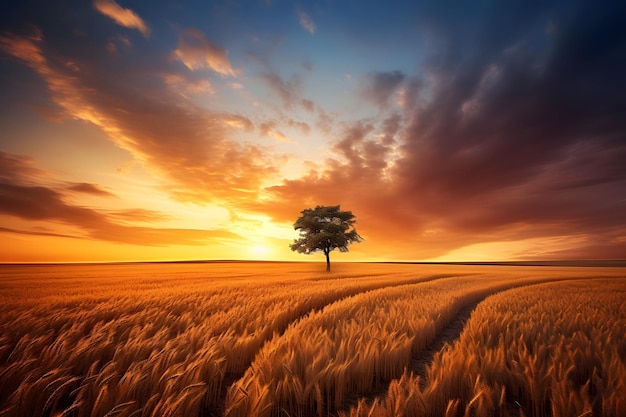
x,y
327,253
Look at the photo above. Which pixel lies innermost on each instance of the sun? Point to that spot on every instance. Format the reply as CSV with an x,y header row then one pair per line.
x,y
259,250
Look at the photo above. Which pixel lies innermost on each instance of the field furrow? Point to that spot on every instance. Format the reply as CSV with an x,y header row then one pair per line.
x,y
550,349
308,370
420,360
447,336
450,332
217,408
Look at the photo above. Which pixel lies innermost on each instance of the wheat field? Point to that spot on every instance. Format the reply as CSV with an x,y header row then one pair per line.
x,y
287,339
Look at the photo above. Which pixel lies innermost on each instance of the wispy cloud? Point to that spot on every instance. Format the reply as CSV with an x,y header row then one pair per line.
x,y
306,22
87,188
270,129
121,16
18,168
36,202
187,146
139,215
197,52
36,233
288,91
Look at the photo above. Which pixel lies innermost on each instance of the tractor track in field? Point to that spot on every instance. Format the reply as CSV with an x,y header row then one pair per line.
x,y
422,359
451,332
232,377
448,335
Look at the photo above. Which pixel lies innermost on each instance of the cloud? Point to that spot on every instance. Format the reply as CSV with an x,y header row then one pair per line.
x,y
505,132
112,45
380,86
302,126
239,122
24,47
197,52
269,129
306,22
287,91
188,147
186,87
497,144
121,16
35,233
139,215
17,168
43,203
308,105
87,188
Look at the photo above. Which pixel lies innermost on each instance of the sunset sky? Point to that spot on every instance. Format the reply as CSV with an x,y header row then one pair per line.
x,y
174,130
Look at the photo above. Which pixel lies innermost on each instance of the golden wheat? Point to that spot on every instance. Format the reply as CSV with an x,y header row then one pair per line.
x,y
169,339
89,339
554,349
353,346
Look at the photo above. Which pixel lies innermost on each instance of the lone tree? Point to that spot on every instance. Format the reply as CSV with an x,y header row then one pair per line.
x,y
325,228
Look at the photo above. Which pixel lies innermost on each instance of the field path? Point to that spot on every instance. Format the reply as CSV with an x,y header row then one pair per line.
x,y
421,360
450,333
447,335
231,378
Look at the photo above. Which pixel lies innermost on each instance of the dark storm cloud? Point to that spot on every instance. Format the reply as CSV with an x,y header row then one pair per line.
x,y
517,130
515,111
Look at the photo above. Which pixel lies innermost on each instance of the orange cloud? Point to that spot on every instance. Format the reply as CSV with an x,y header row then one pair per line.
x,y
197,52
14,168
425,205
22,196
43,203
302,126
269,129
185,87
113,42
87,188
187,146
139,215
121,16
24,47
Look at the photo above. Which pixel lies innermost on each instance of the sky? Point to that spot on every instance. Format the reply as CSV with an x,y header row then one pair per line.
x,y
180,130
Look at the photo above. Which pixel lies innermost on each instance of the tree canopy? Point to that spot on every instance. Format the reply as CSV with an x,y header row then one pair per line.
x,y
324,229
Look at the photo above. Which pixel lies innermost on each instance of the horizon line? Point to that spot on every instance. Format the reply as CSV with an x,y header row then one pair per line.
x,y
556,262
